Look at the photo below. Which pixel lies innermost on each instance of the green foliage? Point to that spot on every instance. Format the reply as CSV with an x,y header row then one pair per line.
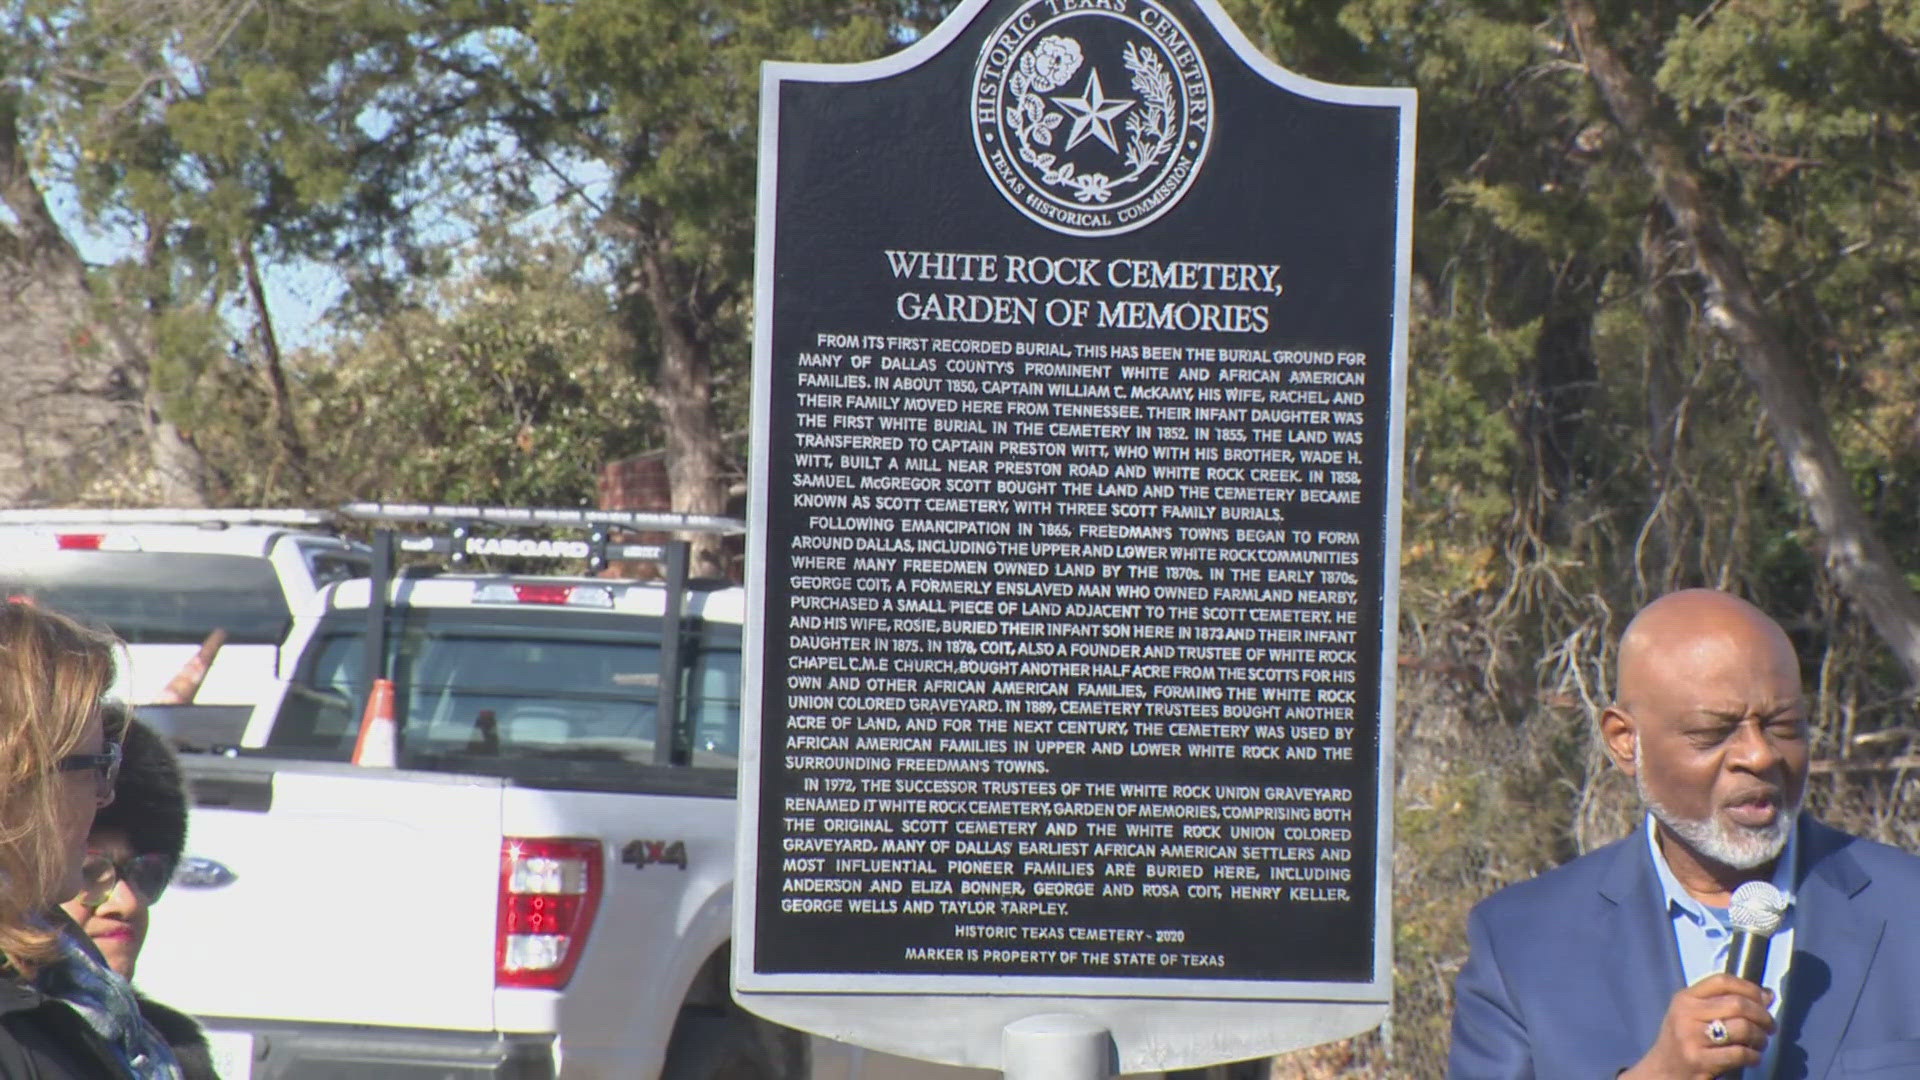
x,y
508,386
368,134
1462,449
1580,439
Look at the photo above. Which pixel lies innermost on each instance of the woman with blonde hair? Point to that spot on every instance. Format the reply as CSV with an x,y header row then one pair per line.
x,y
63,1013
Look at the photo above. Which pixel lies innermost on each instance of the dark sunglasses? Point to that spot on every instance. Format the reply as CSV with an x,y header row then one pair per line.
x,y
100,872
105,767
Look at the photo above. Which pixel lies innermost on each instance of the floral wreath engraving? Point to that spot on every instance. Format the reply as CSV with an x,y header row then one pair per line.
x,y
1151,130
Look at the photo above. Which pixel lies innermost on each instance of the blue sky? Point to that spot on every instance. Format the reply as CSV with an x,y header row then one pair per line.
x,y
298,295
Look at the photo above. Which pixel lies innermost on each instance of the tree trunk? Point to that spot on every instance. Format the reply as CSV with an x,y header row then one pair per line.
x,y
79,353
293,450
695,460
1660,549
1855,556
179,469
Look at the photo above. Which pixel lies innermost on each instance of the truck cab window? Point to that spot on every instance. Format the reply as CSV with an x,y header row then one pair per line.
x,y
479,695
157,598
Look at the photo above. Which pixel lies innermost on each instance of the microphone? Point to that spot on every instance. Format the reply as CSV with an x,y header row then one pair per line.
x,y
1755,914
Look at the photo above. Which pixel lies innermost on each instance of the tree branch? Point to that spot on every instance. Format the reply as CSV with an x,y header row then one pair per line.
x,y
1859,561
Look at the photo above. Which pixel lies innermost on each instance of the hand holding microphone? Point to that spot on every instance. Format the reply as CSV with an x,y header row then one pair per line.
x,y
1720,1025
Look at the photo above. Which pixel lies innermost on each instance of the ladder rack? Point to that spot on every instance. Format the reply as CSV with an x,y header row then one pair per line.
x,y
463,538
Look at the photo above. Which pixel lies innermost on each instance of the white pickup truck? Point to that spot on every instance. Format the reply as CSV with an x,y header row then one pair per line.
x,y
540,889
164,579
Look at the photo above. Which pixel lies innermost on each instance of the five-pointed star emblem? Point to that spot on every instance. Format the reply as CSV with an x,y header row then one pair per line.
x,y
1093,113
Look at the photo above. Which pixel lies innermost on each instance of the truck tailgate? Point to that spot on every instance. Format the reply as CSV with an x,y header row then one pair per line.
x,y
665,907
360,896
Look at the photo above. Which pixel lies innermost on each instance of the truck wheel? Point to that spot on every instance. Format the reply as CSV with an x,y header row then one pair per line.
x,y
719,1046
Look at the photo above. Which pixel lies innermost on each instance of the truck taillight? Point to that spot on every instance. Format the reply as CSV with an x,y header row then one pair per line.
x,y
543,594
549,891
499,592
78,541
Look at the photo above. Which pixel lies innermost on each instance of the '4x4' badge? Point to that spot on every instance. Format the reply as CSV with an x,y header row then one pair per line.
x,y
644,853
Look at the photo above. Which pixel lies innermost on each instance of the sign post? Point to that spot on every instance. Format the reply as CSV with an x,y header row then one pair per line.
x,y
1077,427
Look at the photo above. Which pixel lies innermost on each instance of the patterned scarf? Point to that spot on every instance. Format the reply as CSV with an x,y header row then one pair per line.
x,y
81,979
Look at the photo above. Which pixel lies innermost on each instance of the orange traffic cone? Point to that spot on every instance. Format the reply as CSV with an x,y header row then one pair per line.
x,y
186,683
376,746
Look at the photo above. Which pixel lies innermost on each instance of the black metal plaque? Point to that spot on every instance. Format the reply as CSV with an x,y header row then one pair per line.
x,y
1075,515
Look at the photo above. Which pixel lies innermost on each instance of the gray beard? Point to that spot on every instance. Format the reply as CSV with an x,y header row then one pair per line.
x,y
1730,845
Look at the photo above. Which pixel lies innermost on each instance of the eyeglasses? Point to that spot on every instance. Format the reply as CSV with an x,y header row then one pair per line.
x,y
100,873
105,766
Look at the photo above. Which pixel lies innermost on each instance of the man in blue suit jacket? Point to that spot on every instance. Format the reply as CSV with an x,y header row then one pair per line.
x,y
1605,966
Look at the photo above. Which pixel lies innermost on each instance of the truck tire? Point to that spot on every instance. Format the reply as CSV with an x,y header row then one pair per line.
x,y
709,1045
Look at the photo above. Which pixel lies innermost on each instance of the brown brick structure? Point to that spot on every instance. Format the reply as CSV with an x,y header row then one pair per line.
x,y
640,483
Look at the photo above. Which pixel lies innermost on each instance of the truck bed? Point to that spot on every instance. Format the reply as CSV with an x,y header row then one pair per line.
x,y
320,896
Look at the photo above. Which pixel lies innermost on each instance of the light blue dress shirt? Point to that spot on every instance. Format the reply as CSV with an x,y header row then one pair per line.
x,y
1703,936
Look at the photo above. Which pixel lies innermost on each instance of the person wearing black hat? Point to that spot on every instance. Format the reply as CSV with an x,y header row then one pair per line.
x,y
135,843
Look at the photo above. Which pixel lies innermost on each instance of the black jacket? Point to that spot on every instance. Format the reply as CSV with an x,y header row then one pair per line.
x,y
182,1033
44,1039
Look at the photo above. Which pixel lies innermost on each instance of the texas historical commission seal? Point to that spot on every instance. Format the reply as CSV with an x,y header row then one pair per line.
x,y
1092,116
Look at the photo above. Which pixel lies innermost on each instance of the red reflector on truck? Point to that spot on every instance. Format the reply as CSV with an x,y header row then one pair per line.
x,y
549,892
502,592
79,541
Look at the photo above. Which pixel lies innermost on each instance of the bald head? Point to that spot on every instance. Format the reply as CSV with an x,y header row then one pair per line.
x,y
1666,639
1710,722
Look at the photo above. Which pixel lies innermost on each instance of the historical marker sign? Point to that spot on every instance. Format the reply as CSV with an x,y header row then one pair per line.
x,y
1074,538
